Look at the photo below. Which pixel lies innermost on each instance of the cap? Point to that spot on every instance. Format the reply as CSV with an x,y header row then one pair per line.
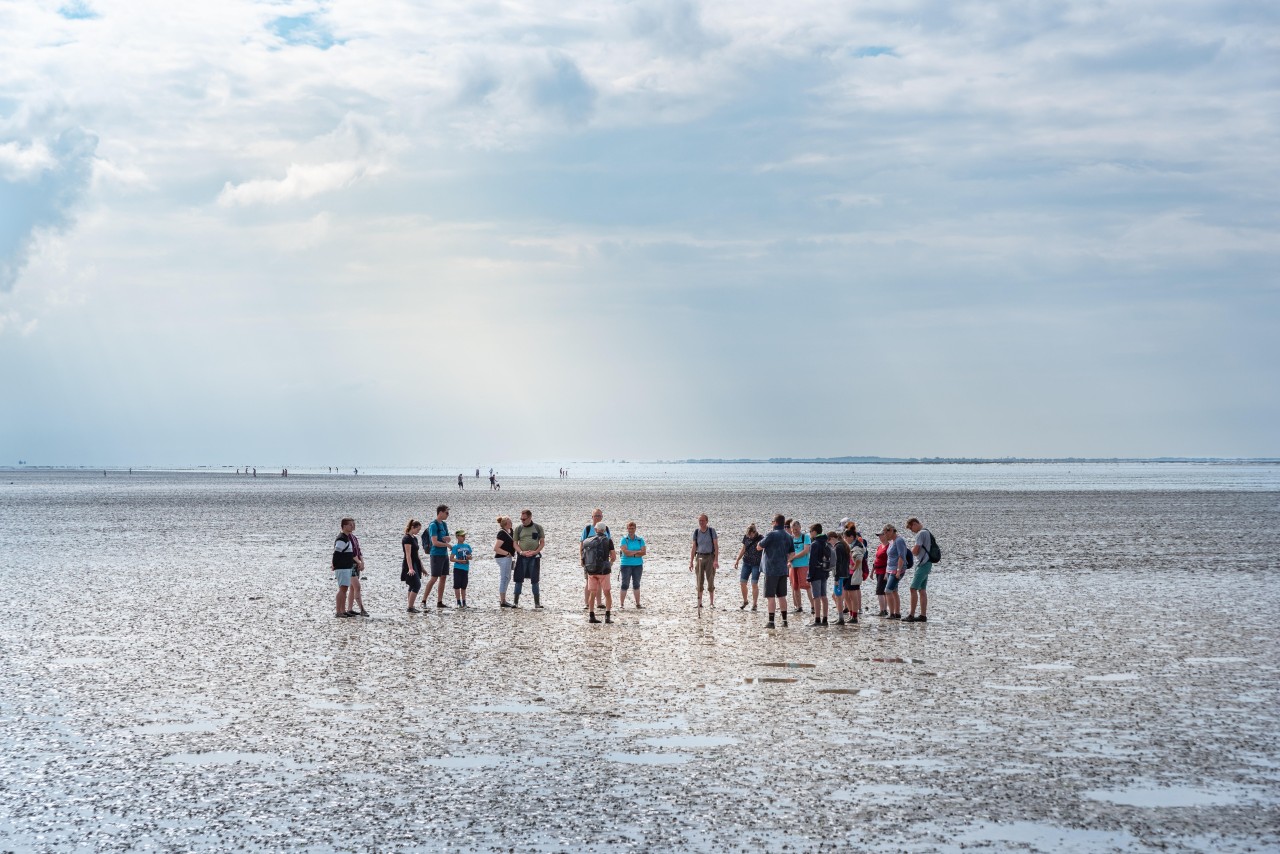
x,y
460,532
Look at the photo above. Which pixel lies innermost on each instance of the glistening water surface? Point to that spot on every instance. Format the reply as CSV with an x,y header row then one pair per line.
x,y
1099,671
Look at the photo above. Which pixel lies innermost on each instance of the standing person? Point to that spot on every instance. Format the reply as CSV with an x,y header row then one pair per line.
x,y
800,565
355,601
597,516
879,566
631,564
437,541
705,554
777,548
411,567
504,549
344,561
840,574
530,540
819,573
460,485
493,480
920,580
461,554
896,554
856,554
749,556
598,553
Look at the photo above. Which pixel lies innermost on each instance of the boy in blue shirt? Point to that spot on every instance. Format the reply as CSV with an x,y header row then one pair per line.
x,y
461,568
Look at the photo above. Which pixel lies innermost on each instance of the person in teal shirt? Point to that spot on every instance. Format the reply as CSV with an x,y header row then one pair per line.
x,y
631,563
461,554
800,566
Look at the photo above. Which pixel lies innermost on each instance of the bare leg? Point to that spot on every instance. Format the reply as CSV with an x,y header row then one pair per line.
x,y
924,602
340,606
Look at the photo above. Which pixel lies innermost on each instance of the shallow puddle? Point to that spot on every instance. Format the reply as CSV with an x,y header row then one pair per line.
x,y
786,664
467,761
756,680
509,709
224,757
163,729
690,741
898,660
648,758
1162,796
853,691
1112,677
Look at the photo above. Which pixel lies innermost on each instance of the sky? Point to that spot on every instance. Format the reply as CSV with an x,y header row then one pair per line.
x,y
393,233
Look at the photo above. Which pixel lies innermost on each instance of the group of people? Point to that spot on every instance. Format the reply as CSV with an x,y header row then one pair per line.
x,y
824,569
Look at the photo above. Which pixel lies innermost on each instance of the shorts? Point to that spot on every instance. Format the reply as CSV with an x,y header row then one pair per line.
x,y
460,578
439,566
528,568
775,587
837,589
631,576
920,580
818,588
879,585
414,581
799,578
343,576
891,582
598,583
749,573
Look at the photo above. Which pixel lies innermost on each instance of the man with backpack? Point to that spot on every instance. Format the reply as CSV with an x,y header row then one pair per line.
x,y
597,516
927,553
597,556
899,561
704,558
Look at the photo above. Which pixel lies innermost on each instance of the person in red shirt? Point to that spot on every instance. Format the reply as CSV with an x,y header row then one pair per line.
x,y
879,565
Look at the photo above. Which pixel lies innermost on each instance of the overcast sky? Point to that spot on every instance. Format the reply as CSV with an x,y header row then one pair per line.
x,y
405,233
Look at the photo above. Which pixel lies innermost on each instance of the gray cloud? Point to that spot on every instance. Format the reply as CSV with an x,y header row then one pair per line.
x,y
41,195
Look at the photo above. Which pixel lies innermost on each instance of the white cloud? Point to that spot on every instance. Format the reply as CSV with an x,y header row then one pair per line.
x,y
300,182
25,163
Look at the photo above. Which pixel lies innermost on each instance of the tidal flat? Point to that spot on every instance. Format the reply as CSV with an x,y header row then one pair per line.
x,y
1100,671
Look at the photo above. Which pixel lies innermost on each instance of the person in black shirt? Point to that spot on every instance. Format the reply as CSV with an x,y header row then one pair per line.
x,y
411,567
344,562
504,548
749,557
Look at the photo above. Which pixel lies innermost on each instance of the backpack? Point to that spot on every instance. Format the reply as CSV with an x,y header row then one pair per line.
x,y
596,552
935,550
910,561
820,555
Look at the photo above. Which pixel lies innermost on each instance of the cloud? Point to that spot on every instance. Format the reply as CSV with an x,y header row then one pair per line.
x,y
300,182
562,90
40,183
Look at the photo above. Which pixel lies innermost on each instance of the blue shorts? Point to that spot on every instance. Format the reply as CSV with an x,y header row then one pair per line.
x,y
890,582
631,576
749,573
343,576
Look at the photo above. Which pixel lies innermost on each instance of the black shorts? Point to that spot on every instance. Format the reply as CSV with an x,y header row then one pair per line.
x,y
880,579
460,577
414,581
439,566
529,568
775,587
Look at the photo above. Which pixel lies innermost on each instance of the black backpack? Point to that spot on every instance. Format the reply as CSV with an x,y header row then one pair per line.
x,y
935,551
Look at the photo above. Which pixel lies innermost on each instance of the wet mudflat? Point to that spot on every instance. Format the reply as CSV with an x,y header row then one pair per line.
x,y
1101,671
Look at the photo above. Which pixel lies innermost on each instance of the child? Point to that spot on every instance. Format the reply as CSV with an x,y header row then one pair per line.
x,y
818,574
461,566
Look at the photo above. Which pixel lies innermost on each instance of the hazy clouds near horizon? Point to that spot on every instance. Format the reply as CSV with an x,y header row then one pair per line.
x,y
304,232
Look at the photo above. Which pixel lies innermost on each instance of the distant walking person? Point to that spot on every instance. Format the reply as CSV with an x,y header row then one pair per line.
x,y
777,548
344,561
598,553
411,567
437,541
597,516
896,555
631,564
460,484
530,540
800,566
749,556
922,550
704,558
504,549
